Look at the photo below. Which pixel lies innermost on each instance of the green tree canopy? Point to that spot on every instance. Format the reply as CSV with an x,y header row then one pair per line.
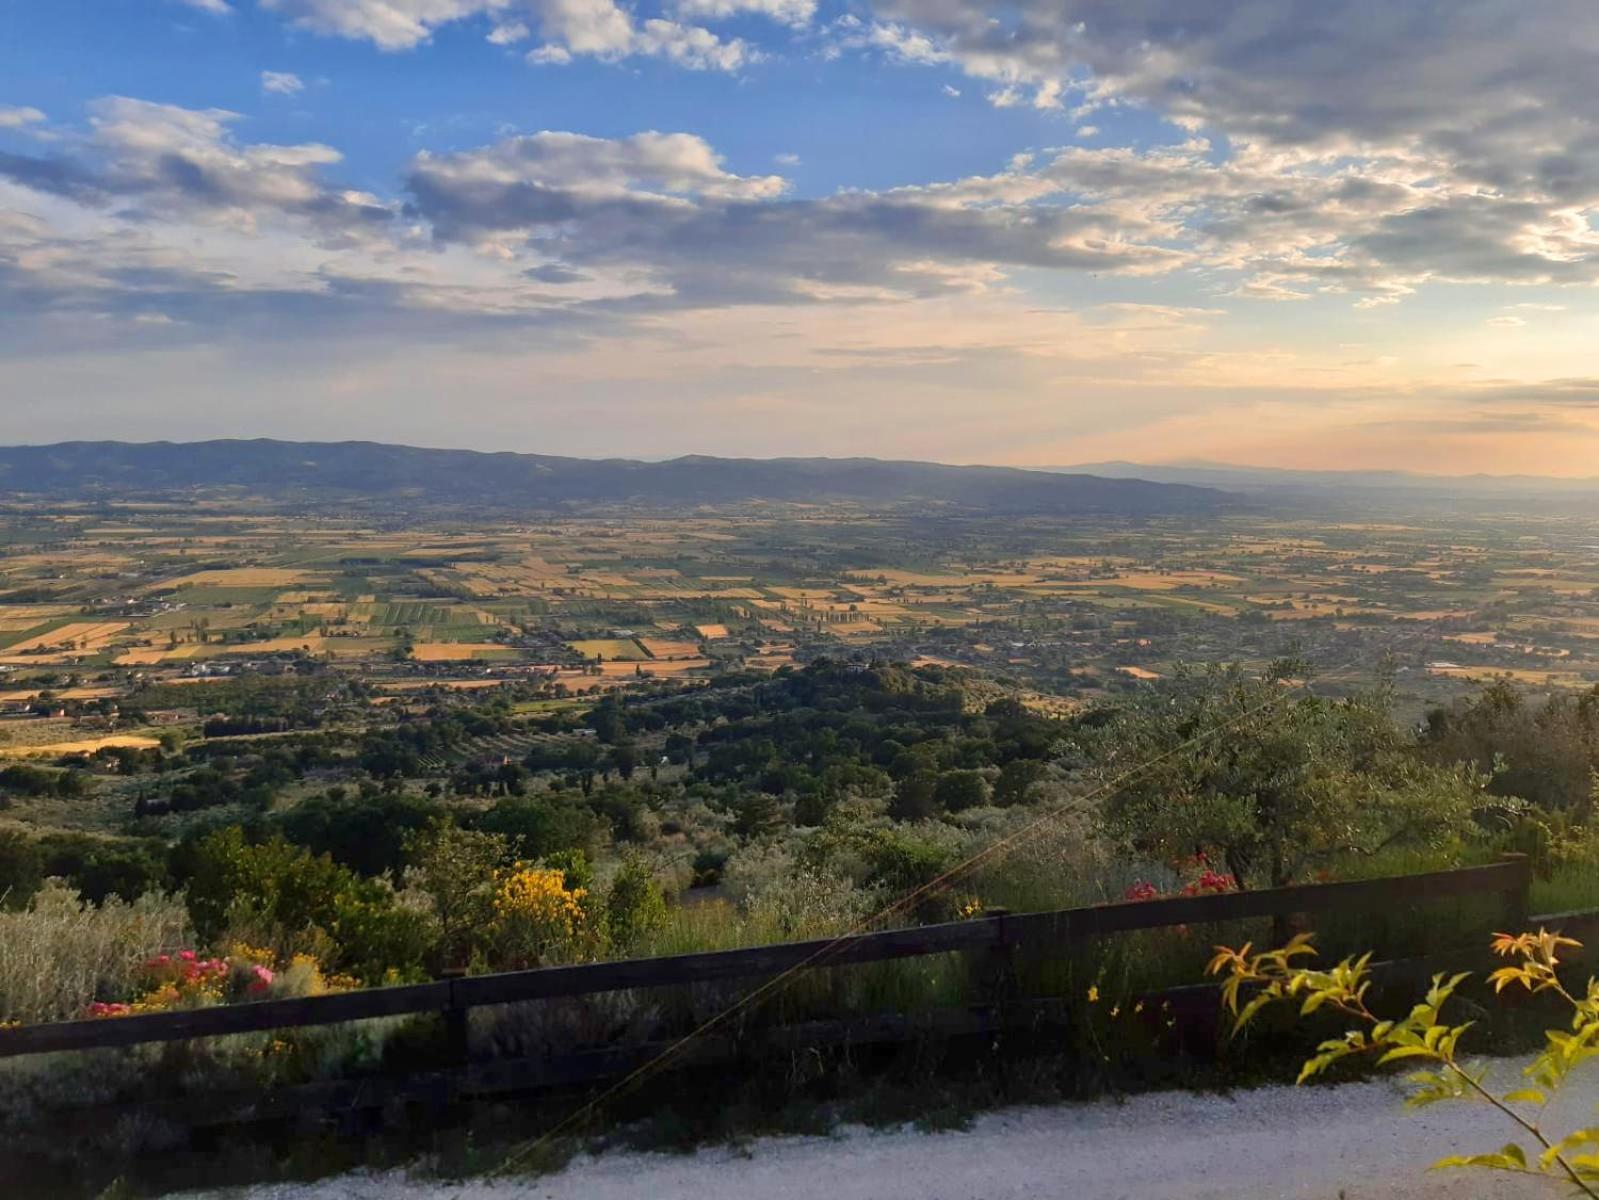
x,y
1269,779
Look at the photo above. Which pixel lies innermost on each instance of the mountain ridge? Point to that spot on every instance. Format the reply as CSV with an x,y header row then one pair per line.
x,y
376,471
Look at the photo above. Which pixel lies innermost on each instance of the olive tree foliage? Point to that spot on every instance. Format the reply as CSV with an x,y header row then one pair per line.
x,y
1269,779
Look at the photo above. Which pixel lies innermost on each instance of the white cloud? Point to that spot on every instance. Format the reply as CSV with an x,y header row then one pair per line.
x,y
794,13
600,29
388,24
786,160
18,117
215,7
952,92
281,83
509,34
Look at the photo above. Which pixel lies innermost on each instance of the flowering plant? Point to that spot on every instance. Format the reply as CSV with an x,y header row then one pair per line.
x,y
188,980
537,917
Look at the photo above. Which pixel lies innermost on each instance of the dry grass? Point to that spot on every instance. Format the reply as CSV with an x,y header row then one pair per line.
x,y
245,577
445,651
676,666
132,741
80,635
712,631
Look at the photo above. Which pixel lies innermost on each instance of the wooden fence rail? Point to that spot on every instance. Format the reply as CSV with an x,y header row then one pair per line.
x,y
1509,880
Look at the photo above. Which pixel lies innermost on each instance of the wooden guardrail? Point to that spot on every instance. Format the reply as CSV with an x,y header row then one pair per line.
x,y
1510,880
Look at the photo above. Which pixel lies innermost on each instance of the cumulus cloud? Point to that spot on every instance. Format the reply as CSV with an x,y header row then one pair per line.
x,y
281,83
388,24
18,117
664,208
165,157
556,223
215,7
600,29
159,211
1475,128
1295,72
509,34
795,13
169,216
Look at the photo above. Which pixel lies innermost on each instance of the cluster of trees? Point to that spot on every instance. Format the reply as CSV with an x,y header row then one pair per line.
x,y
1264,779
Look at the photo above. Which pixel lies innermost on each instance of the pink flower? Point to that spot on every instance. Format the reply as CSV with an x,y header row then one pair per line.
x,y
187,956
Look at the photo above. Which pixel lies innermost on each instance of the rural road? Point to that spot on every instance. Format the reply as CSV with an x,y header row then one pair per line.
x,y
1353,1142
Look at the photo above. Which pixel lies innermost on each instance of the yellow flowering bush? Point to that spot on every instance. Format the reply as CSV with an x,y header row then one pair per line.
x,y
538,918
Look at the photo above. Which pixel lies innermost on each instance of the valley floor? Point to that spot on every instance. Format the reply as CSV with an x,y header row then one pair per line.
x,y
1354,1142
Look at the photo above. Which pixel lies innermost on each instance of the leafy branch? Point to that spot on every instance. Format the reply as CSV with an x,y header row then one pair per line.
x,y
1252,981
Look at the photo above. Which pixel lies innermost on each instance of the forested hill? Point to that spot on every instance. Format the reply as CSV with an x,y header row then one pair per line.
x,y
277,470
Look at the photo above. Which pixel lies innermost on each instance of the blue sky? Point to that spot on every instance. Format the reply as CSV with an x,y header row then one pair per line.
x,y
1345,233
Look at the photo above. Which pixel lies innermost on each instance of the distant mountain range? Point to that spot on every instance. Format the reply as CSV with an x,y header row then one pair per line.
x,y
408,476
1265,481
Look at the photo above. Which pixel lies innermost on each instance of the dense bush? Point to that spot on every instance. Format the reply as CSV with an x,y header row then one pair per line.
x,y
368,834
1546,752
98,867
536,828
24,780
21,868
283,896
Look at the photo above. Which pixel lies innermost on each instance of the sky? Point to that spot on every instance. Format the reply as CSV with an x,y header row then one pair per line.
x,y
1298,233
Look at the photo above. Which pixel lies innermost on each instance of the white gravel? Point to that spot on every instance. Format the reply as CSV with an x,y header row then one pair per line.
x,y
1353,1142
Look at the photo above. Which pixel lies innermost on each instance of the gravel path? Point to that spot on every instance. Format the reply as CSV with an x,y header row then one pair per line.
x,y
1352,1142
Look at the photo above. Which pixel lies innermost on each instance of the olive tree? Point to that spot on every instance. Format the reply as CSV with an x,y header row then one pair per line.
x,y
1268,779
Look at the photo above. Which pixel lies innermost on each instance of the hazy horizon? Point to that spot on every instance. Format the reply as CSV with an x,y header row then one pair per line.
x,y
1174,465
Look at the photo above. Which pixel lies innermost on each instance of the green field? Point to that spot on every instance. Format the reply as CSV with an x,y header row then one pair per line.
x,y
611,649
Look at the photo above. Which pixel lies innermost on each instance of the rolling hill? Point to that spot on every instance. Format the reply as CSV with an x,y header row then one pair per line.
x,y
368,471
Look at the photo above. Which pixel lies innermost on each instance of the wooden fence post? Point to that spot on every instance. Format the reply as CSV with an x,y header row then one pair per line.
x,y
1517,894
457,1032
997,984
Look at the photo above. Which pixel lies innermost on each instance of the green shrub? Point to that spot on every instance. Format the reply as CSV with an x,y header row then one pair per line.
x,y
365,833
538,828
21,868
283,895
634,905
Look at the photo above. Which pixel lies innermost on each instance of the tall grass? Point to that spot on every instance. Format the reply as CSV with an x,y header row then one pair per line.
x,y
61,953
